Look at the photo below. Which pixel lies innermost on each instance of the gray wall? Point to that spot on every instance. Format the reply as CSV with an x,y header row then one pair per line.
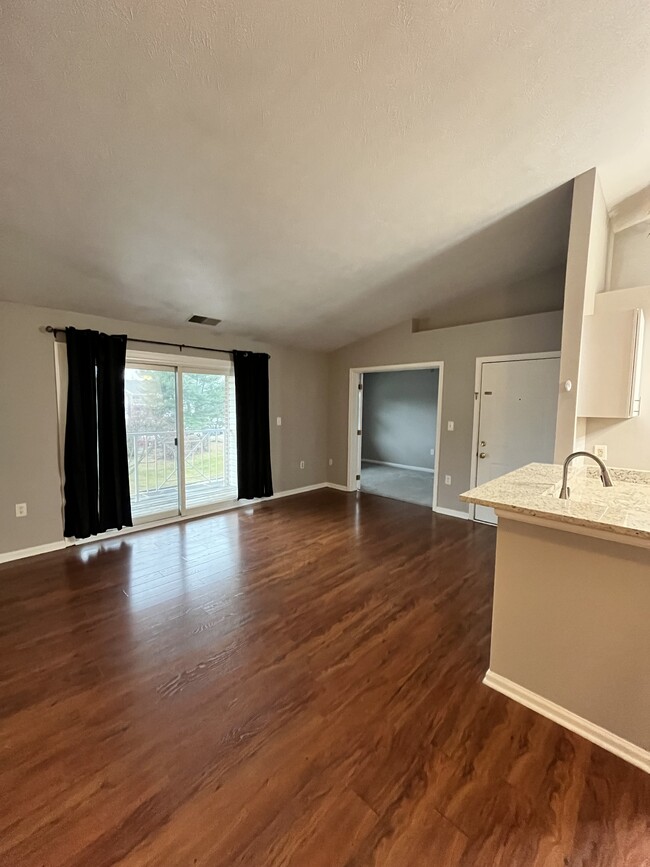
x,y
399,417
458,348
29,471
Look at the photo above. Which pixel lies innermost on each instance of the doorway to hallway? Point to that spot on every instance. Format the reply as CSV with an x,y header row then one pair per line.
x,y
396,432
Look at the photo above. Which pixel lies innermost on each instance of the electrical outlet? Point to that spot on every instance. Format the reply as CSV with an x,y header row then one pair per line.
x,y
302,465
330,462
450,425
447,480
601,452
21,510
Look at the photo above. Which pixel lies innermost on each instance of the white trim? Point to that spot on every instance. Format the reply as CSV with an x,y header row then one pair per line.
x,y
452,513
478,374
340,488
399,466
31,552
632,753
354,452
291,492
145,358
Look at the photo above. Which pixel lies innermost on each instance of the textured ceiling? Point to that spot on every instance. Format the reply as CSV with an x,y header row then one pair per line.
x,y
305,171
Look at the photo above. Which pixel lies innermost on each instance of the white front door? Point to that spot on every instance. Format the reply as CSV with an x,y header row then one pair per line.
x,y
517,414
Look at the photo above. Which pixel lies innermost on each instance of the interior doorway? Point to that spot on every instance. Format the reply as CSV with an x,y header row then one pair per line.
x,y
515,413
395,432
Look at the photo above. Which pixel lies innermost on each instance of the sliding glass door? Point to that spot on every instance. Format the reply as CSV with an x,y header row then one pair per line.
x,y
152,440
210,457
174,410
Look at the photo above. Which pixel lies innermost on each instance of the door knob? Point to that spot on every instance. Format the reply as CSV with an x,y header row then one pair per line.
x,y
483,443
482,455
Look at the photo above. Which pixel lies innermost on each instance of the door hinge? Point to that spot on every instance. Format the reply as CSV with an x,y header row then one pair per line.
x,y
358,433
175,441
360,386
358,478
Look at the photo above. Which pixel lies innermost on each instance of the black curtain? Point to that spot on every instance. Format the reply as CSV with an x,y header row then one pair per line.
x,y
96,464
253,434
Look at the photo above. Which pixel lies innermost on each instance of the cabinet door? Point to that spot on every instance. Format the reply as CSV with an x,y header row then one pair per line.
x,y
610,364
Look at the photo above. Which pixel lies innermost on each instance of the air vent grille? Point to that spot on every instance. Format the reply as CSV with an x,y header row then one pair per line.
x,y
203,320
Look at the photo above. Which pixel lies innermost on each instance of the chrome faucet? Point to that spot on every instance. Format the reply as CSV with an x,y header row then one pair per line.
x,y
604,473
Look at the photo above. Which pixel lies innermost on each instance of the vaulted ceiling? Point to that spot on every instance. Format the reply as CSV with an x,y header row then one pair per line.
x,y
306,171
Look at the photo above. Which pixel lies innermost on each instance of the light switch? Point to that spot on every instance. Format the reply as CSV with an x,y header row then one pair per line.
x,y
279,421
21,510
450,425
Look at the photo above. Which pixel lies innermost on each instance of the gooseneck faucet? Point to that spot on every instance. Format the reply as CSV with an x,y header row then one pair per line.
x,y
604,473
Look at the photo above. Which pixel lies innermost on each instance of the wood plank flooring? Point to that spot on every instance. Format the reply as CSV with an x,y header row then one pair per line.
x,y
297,683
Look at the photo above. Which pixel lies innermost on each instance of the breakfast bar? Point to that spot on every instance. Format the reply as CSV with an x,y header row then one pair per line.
x,y
571,617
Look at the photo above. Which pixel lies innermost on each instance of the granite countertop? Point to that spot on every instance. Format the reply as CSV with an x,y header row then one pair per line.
x,y
533,490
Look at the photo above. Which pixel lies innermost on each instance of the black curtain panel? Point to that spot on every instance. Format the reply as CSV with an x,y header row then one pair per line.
x,y
96,467
81,486
253,433
113,461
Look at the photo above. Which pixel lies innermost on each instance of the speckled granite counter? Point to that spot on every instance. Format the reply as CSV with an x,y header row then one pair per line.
x,y
533,490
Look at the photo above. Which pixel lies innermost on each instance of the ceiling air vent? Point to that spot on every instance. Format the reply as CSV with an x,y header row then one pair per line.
x,y
203,320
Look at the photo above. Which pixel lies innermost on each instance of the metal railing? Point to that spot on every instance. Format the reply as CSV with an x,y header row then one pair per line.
x,y
153,459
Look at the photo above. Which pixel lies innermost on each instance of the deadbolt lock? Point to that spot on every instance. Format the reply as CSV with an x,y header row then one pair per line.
x,y
482,455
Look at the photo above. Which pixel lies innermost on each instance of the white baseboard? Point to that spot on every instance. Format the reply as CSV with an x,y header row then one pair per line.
x,y
32,552
452,513
632,753
398,466
340,488
293,491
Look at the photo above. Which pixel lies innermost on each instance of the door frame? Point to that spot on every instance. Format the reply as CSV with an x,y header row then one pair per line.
x,y
354,452
180,363
480,361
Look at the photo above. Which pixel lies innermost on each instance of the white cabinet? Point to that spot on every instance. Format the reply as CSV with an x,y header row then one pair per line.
x,y
610,365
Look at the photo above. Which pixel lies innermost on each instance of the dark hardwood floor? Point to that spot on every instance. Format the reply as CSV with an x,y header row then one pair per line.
x,y
294,684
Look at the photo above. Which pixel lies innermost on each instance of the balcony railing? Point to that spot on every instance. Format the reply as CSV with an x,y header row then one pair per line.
x,y
153,469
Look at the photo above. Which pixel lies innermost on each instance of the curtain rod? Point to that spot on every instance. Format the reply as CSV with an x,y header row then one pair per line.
x,y
52,330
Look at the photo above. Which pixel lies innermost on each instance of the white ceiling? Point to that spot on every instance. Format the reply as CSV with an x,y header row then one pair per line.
x,y
306,171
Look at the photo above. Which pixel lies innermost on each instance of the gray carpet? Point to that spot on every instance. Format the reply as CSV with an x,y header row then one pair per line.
x,y
411,486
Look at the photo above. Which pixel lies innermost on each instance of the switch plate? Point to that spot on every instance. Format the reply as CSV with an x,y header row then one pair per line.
x,y
279,421
302,465
431,451
601,452
21,510
447,480
330,462
450,425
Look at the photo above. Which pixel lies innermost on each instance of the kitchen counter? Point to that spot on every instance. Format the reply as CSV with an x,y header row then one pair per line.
x,y
570,635
533,490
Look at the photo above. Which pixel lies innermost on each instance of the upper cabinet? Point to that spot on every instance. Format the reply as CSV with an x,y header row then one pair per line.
x,y
610,365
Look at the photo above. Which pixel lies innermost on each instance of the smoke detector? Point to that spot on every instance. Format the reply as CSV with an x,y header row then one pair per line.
x,y
203,320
